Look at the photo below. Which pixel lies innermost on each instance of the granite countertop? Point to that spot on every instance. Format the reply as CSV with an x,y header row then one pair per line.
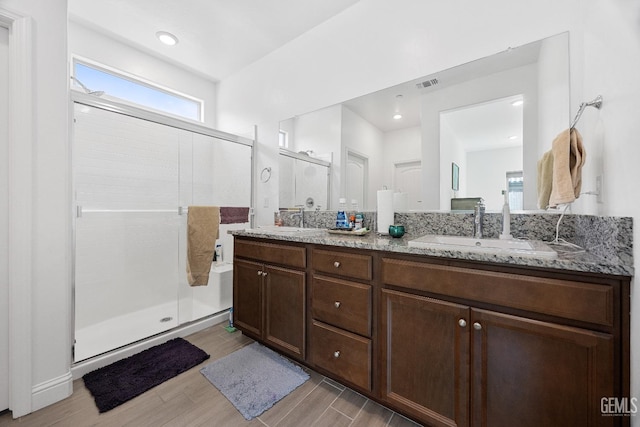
x,y
567,260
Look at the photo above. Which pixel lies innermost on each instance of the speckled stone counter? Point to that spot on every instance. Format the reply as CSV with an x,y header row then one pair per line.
x,y
607,241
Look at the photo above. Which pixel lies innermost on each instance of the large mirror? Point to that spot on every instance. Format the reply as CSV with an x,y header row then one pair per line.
x,y
487,122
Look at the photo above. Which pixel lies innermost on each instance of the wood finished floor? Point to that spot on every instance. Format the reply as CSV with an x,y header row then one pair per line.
x,y
191,400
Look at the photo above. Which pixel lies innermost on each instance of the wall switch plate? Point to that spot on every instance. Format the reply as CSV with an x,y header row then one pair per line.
x,y
266,202
599,189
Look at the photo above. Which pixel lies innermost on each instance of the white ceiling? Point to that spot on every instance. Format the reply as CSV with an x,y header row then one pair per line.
x,y
216,37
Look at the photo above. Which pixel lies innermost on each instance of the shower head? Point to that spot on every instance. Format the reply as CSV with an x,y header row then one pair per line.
x,y
86,89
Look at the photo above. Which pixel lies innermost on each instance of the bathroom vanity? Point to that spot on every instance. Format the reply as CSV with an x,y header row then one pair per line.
x,y
445,338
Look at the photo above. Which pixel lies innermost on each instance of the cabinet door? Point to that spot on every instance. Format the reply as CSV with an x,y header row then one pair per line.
x,y
247,296
425,358
531,373
284,304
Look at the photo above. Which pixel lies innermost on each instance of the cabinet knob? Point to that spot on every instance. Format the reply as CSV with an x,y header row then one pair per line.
x,y
337,304
336,264
477,326
259,273
462,323
336,354
264,273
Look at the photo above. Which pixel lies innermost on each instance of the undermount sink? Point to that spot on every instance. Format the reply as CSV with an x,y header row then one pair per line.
x,y
274,229
523,248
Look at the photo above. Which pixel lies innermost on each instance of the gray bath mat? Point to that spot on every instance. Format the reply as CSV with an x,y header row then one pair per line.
x,y
254,378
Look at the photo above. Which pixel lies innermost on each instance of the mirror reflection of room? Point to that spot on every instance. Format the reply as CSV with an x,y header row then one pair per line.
x,y
493,117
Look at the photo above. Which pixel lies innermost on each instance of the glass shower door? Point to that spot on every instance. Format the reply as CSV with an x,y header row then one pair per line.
x,y
127,229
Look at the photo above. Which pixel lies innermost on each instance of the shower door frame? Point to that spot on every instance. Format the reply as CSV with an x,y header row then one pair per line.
x,y
142,114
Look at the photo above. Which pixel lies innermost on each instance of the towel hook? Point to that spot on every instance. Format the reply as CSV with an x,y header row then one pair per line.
x,y
597,102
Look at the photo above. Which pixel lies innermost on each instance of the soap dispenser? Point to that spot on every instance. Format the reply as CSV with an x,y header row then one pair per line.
x,y
506,218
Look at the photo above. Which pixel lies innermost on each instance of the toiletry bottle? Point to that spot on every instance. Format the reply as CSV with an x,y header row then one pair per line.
x,y
341,218
359,224
506,218
218,253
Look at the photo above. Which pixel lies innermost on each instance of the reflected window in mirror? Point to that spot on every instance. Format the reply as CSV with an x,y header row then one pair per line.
x,y
283,139
515,190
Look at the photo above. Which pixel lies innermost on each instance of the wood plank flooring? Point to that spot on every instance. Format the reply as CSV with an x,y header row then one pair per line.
x,y
191,400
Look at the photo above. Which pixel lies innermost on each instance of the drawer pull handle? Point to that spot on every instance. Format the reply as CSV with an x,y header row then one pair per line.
x,y
337,304
477,326
336,354
462,323
336,264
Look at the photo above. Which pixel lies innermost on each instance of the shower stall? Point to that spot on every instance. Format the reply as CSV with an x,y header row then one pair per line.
x,y
305,181
135,174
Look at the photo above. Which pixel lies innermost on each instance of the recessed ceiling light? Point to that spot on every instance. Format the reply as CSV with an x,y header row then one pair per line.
x,y
167,38
517,103
397,116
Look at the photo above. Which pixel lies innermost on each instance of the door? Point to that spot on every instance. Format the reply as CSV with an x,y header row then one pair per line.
x,y
4,220
407,178
357,179
284,302
531,373
425,358
247,296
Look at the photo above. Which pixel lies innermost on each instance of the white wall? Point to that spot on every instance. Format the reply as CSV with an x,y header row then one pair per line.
x,y
50,270
377,44
89,44
361,137
402,145
487,169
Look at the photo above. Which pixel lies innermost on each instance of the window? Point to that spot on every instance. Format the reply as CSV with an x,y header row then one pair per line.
x,y
91,77
283,139
515,182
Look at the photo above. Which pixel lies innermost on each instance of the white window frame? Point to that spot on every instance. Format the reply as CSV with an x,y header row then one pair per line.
x,y
75,59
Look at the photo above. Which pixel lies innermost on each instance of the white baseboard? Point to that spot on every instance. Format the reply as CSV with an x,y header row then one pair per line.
x,y
51,391
81,368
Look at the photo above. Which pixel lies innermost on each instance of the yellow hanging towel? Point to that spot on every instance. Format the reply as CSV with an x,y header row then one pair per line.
x,y
202,232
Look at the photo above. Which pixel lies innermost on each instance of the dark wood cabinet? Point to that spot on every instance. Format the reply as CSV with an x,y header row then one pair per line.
x,y
445,342
341,309
459,366
530,373
424,356
269,300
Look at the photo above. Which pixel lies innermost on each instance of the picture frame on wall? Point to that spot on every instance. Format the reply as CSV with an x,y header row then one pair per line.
x,y
455,177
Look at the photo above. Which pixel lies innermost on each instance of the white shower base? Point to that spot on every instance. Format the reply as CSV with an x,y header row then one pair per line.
x,y
123,330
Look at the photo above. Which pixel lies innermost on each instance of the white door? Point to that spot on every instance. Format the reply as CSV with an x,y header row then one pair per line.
x,y
4,221
357,174
407,178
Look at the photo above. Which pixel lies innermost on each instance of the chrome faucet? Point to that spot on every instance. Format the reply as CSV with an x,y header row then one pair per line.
x,y
478,218
300,214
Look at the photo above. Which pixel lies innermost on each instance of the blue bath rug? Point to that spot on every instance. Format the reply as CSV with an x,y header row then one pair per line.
x,y
254,378
125,379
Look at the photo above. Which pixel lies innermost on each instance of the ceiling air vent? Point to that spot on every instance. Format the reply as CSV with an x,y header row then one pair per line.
x,y
427,83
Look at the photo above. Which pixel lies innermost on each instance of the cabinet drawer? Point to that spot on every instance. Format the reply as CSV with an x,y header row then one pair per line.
x,y
293,256
348,265
345,354
556,297
346,305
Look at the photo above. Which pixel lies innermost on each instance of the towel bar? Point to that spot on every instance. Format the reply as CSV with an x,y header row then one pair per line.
x,y
597,102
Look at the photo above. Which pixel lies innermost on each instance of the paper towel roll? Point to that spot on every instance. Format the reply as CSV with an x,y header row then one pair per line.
x,y
400,202
385,210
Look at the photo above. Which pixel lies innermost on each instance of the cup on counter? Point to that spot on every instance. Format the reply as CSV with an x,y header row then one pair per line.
x,y
396,230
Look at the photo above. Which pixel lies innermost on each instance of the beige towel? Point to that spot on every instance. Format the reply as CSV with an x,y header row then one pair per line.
x,y
545,178
568,158
202,232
